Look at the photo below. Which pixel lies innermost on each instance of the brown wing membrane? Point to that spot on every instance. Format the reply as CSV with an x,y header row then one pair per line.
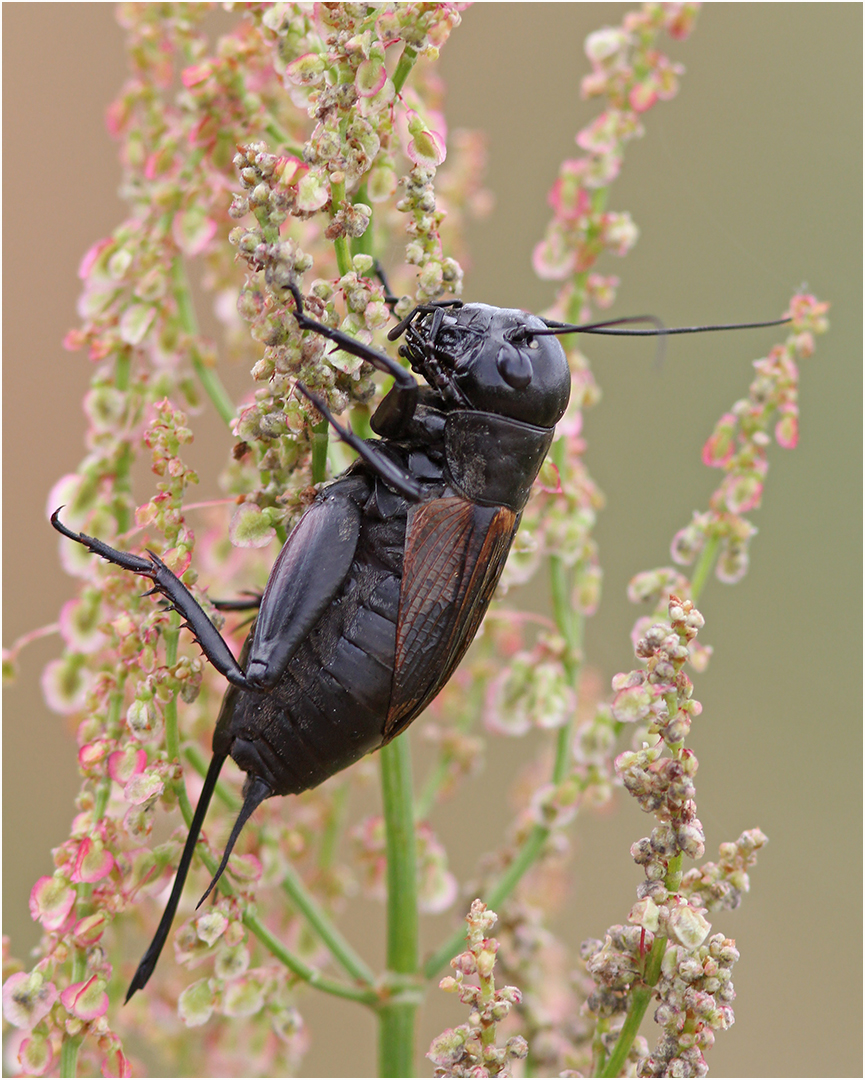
x,y
455,552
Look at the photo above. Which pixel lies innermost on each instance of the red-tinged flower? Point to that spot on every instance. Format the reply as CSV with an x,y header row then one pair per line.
x,y
243,996
306,70
89,930
51,900
371,76
633,703
251,527
313,192
721,444
135,322
567,196
426,147
553,258
36,1055
65,683
807,313
86,1000
143,787
193,230
93,753
197,1002
126,763
742,493
92,861
115,1062
680,19
605,45
643,96
196,74
787,428
92,256
27,998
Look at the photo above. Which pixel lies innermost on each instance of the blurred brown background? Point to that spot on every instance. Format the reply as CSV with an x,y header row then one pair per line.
x,y
746,185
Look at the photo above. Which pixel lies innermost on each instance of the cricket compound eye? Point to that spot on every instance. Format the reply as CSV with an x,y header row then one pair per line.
x,y
514,366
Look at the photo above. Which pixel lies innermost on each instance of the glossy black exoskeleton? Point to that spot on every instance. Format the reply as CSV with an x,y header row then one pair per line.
x,y
380,588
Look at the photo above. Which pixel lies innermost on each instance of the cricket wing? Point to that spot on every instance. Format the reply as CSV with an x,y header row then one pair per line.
x,y
454,555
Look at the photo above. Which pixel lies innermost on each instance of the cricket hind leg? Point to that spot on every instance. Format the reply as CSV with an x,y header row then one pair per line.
x,y
166,583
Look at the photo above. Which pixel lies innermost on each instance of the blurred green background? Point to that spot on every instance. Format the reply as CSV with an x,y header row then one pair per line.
x,y
746,185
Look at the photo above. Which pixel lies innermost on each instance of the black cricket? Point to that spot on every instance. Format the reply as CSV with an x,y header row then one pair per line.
x,y
380,588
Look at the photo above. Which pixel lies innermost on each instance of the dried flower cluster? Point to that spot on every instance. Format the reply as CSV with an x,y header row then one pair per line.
x,y
470,1049
739,442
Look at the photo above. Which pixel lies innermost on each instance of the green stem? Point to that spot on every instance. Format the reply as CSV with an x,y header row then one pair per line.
x,y
439,772
319,452
397,1014
337,203
207,375
704,565
318,919
641,995
72,1043
69,1054
304,971
362,245
406,63
332,829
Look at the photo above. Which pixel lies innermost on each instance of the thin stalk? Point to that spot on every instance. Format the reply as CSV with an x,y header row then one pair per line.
x,y
207,375
641,995
172,732
439,772
403,68
304,971
71,1043
330,836
319,452
397,1014
362,245
704,565
337,203
319,920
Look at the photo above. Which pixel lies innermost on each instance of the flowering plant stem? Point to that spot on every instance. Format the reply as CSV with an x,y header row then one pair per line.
x,y
641,995
207,375
397,1013
640,998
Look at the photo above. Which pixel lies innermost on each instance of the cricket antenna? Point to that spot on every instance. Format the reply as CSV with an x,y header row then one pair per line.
x,y
616,327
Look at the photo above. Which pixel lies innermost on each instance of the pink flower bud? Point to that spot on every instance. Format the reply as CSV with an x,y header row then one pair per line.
x,y
27,998
92,861
126,763
86,1000
51,900
721,444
